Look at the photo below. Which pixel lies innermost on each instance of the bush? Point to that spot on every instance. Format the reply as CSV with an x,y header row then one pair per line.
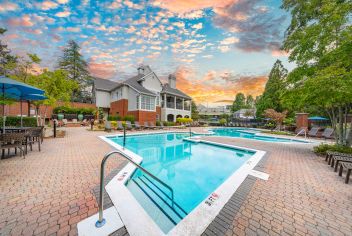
x,y
114,118
129,118
184,120
157,123
323,148
73,110
16,121
222,121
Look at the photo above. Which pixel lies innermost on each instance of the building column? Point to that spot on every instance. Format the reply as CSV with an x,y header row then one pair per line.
x,y
183,104
175,102
165,101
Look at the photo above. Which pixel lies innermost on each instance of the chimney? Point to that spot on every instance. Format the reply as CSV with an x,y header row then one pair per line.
x,y
140,70
172,81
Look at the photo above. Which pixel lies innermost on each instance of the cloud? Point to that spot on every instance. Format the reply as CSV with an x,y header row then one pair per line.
x,y
229,41
64,13
208,56
96,20
192,15
73,29
24,21
102,70
8,6
115,4
47,5
224,48
197,26
216,85
62,1
257,29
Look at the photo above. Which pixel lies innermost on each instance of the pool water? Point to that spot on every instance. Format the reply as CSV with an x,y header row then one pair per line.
x,y
250,134
193,170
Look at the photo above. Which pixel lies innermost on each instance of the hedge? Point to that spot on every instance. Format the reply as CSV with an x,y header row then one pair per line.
x,y
16,121
183,120
323,148
73,110
119,118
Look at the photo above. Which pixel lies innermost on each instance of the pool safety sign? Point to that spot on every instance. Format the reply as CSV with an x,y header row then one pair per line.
x,y
212,199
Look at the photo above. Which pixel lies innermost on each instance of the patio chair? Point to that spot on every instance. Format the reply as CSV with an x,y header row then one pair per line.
x,y
13,140
107,126
328,133
348,167
34,135
313,132
152,126
119,125
162,125
129,125
136,125
146,126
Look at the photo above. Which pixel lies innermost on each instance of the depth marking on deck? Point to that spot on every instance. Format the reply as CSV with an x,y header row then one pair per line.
x,y
259,174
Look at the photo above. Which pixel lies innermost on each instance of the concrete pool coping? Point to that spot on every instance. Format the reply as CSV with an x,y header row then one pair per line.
x,y
136,219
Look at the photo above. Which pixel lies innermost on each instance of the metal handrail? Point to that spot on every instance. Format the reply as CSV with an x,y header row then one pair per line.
x,y
101,220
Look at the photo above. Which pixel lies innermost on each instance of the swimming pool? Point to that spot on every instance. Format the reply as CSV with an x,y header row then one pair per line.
x,y
251,134
193,170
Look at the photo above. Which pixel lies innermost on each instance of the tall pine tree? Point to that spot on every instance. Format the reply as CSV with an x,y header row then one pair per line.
x,y
7,61
77,69
273,89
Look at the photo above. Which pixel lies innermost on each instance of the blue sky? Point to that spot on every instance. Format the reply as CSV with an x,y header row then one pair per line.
x,y
216,48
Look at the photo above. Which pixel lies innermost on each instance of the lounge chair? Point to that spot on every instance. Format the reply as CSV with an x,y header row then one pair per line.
x,y
107,126
136,125
84,122
162,125
328,133
313,132
152,126
348,167
119,125
146,126
129,125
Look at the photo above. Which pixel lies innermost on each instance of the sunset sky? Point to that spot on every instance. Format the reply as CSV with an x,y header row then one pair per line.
x,y
216,48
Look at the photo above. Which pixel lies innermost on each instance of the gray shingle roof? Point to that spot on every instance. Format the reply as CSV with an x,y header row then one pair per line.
x,y
104,84
169,90
133,82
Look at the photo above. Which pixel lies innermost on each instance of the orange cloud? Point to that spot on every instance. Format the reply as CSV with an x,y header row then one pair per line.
x,y
22,21
8,6
214,87
102,70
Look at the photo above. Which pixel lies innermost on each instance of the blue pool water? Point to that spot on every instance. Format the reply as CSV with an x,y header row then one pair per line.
x,y
250,134
193,170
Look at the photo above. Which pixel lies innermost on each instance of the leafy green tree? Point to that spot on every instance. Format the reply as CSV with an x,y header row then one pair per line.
x,y
7,61
194,110
319,40
250,101
77,69
57,87
24,67
273,90
239,102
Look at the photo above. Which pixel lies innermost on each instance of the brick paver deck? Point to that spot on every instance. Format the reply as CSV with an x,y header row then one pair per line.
x,y
50,191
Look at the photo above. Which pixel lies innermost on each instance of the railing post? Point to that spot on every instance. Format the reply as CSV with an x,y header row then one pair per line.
x,y
54,128
101,221
190,131
124,135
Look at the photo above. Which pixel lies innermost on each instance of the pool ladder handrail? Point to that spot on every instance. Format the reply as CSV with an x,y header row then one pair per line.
x,y
101,220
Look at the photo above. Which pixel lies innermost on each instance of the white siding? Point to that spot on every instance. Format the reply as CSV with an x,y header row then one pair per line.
x,y
132,99
102,99
152,83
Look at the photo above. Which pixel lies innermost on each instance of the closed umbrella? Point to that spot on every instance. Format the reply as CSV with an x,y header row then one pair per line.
x,y
15,90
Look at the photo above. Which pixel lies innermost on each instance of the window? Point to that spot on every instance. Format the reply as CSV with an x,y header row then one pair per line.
x,y
138,98
147,103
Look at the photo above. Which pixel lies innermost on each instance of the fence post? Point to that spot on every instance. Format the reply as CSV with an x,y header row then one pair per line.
x,y
54,128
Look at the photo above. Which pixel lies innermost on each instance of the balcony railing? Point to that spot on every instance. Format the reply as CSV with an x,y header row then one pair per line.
x,y
179,106
170,105
187,108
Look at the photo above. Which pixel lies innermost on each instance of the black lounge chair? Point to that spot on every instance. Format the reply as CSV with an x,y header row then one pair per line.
x,y
328,133
348,167
313,132
146,126
152,126
119,125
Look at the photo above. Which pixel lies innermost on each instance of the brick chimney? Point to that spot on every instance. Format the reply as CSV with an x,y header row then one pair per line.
x,y
172,81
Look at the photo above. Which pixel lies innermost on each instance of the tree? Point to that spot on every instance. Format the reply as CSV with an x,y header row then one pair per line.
x,y
239,103
319,40
7,60
56,86
77,69
273,90
250,102
277,117
194,110
24,67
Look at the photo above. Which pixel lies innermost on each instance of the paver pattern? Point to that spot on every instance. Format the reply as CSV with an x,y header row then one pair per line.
x,y
50,191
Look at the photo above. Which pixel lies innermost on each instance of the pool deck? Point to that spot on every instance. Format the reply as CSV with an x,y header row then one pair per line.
x,y
50,191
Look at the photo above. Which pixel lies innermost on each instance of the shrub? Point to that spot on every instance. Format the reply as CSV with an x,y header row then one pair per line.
x,y
323,148
184,120
114,118
169,123
222,121
16,121
129,118
73,110
157,123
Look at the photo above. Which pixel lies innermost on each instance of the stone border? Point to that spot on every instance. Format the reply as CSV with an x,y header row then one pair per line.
x,y
224,220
